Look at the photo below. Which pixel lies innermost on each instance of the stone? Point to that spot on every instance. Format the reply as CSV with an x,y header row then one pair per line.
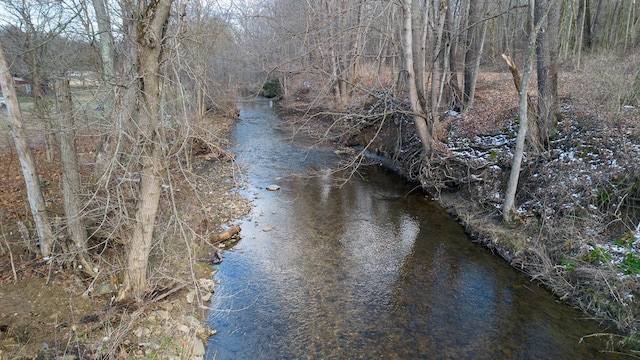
x,y
268,228
66,357
190,296
273,187
160,314
184,328
105,288
142,331
206,284
198,348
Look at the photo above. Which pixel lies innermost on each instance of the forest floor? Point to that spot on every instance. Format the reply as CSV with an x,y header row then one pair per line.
x,y
48,311
578,200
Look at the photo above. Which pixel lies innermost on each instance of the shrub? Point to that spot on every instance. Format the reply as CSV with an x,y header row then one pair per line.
x,y
271,88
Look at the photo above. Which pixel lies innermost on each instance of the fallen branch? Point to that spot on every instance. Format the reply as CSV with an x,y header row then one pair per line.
x,y
13,265
226,235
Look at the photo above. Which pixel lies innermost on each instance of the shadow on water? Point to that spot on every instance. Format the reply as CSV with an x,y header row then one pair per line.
x,y
368,270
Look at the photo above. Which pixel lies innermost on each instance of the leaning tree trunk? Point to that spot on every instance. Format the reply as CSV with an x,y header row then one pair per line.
x,y
508,208
151,28
27,160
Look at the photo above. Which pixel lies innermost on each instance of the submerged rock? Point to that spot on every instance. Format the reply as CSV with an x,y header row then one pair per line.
x,y
273,187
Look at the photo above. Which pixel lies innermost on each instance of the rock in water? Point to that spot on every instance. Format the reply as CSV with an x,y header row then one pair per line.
x,y
273,187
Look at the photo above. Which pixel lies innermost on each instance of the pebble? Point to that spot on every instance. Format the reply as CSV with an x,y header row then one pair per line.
x,y
273,187
105,288
160,314
142,331
190,296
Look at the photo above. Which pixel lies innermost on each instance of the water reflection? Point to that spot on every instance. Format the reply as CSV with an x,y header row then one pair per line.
x,y
368,270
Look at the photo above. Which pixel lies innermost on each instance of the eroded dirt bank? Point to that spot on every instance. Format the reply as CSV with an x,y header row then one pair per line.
x,y
578,201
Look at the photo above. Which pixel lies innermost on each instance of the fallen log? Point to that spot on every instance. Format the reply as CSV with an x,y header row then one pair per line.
x,y
226,235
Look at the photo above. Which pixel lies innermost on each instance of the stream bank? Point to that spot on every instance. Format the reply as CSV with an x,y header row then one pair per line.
x,y
367,268
51,312
567,236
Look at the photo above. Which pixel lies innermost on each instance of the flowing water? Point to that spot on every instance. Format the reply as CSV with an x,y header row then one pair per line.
x,y
368,269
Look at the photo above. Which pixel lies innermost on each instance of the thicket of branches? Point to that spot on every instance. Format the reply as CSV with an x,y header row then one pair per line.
x,y
145,78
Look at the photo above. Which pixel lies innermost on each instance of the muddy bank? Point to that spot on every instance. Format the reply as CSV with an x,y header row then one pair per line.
x,y
576,228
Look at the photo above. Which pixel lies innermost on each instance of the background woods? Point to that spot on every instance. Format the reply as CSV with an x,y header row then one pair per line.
x,y
121,97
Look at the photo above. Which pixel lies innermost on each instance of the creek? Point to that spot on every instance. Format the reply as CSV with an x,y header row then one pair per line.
x,y
368,268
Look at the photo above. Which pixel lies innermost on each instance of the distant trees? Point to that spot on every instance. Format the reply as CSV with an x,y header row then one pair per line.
x,y
475,33
34,33
204,55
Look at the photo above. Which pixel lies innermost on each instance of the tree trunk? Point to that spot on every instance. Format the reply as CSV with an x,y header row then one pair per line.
x,y
420,42
123,101
438,63
585,10
547,69
27,160
106,40
476,33
597,24
508,208
151,28
453,95
419,116
71,180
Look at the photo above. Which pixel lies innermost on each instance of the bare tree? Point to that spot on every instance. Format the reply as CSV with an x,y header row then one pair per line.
x,y
475,39
151,22
508,208
38,24
106,38
419,114
547,69
27,161
71,180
